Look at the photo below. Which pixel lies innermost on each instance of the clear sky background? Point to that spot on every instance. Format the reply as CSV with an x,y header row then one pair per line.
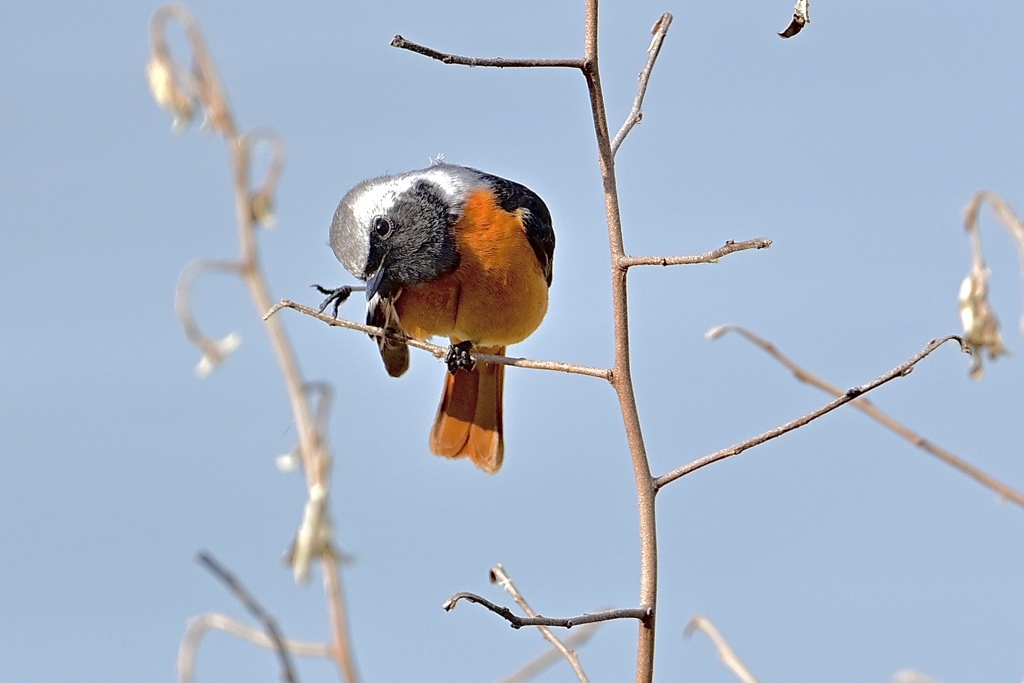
x,y
836,553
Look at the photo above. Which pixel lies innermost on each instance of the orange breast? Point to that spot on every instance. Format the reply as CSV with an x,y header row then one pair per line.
x,y
496,296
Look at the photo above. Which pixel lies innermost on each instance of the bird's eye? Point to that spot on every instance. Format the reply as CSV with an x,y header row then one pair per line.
x,y
382,226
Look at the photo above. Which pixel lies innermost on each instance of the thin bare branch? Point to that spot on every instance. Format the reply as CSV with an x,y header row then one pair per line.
x,y
576,639
725,652
500,577
199,626
516,621
246,598
622,379
901,370
440,351
178,89
1001,489
729,247
636,114
499,62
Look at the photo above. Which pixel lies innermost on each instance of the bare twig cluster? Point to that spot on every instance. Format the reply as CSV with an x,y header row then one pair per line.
x,y
184,92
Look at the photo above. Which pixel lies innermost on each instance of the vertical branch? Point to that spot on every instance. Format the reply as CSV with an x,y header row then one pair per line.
x,y
178,89
313,453
622,378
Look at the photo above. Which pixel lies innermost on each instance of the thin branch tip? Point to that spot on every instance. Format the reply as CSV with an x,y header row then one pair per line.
x,y
636,114
283,303
730,247
498,62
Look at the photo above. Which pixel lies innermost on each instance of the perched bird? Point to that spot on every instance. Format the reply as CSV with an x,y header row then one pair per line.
x,y
454,252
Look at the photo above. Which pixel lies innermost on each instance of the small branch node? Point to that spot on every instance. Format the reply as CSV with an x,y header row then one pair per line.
x,y
636,115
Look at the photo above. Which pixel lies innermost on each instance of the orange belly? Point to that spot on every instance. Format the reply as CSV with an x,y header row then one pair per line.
x,y
495,297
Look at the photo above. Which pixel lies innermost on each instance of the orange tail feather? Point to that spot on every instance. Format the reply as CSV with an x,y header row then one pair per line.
x,y
469,418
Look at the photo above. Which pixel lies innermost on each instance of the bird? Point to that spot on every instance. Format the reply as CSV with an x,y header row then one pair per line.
x,y
449,251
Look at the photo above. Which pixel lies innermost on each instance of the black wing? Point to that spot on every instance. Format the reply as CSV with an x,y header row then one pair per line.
x,y
380,312
514,197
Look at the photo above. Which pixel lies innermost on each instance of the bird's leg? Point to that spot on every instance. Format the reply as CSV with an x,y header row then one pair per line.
x,y
336,297
458,357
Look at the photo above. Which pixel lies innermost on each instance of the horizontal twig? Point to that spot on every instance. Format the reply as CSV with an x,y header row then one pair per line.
x,y
499,62
440,351
863,404
901,370
729,247
516,621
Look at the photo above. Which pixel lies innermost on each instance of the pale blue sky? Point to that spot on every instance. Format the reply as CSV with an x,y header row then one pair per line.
x,y
838,553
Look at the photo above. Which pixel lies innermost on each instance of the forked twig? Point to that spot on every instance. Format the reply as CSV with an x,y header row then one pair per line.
x,y
180,90
199,626
500,577
250,603
517,622
901,370
865,405
725,652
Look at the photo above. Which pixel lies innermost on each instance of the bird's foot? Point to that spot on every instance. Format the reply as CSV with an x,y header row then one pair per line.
x,y
335,297
458,357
